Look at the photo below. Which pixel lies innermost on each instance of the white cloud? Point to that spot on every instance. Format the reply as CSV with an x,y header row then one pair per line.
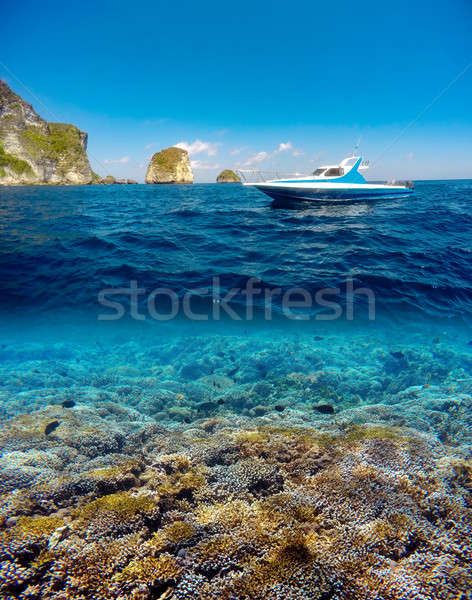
x,y
236,151
203,165
283,146
198,146
117,161
410,155
260,156
255,158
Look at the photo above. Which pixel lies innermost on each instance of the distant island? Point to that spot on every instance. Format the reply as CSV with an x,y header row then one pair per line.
x,y
110,180
171,165
228,176
34,151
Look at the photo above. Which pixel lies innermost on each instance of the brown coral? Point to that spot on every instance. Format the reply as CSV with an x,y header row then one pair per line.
x,y
273,513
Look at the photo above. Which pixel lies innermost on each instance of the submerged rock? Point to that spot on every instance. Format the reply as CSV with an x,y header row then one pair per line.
x,y
33,151
228,176
324,409
171,165
50,427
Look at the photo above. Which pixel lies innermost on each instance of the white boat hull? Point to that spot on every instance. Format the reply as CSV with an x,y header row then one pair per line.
x,y
330,192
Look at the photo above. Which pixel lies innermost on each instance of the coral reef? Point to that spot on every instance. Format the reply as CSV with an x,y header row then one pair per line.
x,y
423,384
236,467
223,509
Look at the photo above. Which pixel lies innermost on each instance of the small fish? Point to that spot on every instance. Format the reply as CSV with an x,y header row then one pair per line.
x,y
397,354
220,401
232,372
50,427
279,407
317,338
325,409
68,404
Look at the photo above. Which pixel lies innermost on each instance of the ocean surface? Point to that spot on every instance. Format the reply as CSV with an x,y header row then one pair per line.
x,y
60,246
374,298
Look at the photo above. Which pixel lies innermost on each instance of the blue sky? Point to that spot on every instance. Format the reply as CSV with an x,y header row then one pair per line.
x,y
275,85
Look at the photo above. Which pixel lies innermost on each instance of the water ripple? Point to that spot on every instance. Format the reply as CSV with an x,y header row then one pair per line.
x,y
59,245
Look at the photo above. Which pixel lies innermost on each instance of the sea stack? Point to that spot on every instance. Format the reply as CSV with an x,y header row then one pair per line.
x,y
33,151
171,165
228,176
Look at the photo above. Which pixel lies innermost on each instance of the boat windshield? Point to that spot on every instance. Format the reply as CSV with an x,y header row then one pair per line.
x,y
334,172
319,171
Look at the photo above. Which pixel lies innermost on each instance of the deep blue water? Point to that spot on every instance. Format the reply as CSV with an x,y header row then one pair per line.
x,y
61,246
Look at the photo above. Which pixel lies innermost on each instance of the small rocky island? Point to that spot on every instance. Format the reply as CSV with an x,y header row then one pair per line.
x,y
228,176
34,151
110,180
171,165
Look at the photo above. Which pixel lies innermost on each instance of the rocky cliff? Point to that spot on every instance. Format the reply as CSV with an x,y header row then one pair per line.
x,y
228,176
171,165
33,151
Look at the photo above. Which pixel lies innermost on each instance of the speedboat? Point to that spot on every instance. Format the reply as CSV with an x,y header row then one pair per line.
x,y
340,182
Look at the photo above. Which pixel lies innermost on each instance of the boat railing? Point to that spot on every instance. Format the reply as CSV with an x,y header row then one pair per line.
x,y
396,182
256,175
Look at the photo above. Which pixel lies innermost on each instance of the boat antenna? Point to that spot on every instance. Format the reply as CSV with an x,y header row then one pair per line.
x,y
356,147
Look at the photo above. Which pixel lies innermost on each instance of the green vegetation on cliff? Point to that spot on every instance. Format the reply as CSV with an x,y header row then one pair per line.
x,y
171,165
35,151
166,159
17,165
228,176
62,142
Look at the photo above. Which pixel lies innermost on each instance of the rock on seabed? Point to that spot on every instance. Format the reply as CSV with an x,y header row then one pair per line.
x,y
171,165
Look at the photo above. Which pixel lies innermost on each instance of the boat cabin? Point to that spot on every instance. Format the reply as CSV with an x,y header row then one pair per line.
x,y
333,171
338,170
